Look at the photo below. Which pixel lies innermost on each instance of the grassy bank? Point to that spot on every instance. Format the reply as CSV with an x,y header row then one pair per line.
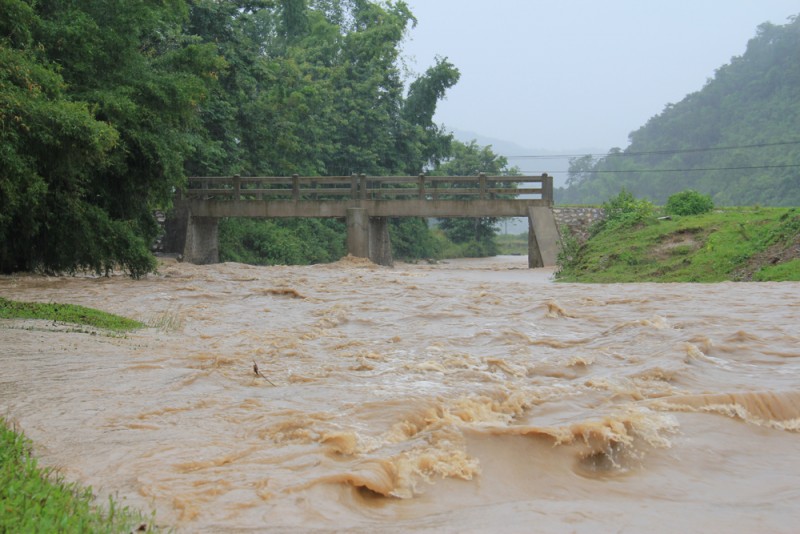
x,y
739,244
66,313
35,499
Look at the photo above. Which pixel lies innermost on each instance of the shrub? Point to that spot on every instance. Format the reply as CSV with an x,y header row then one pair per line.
x,y
689,203
624,211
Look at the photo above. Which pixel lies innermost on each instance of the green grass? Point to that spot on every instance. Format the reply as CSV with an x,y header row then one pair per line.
x,y
33,499
789,271
730,244
66,313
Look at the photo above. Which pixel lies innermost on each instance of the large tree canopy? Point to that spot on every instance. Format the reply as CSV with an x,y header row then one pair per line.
x,y
106,106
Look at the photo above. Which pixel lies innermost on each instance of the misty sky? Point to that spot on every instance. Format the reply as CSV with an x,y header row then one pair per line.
x,y
577,74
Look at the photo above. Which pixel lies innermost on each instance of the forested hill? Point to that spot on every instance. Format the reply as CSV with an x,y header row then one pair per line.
x,y
738,139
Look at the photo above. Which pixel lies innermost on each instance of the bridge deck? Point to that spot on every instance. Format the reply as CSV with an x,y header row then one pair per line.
x,y
385,196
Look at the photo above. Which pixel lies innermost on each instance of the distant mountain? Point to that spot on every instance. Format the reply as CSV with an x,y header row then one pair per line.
x,y
737,139
554,163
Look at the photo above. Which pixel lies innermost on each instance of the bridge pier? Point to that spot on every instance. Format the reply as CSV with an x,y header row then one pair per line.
x,y
202,244
358,232
380,246
368,237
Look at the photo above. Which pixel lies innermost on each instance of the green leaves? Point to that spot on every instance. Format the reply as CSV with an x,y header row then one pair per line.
x,y
98,103
688,203
105,105
281,242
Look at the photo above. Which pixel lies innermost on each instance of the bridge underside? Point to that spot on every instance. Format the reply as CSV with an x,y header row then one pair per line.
x,y
367,222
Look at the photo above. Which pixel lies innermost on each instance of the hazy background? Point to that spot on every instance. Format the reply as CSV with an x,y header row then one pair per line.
x,y
575,76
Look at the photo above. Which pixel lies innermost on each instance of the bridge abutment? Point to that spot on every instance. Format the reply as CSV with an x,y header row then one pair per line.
x,y
544,240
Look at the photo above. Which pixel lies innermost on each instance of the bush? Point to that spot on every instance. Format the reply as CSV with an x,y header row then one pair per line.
x,y
624,211
689,203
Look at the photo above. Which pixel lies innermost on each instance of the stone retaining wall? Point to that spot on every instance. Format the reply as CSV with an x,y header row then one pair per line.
x,y
578,219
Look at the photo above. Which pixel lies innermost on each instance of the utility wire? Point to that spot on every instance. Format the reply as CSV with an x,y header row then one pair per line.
x,y
703,169
653,152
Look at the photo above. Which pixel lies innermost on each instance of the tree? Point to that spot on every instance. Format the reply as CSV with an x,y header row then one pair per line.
x,y
106,105
315,89
470,160
580,169
51,146
421,142
102,96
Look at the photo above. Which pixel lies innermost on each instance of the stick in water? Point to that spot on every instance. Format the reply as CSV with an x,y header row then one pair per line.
x,y
259,373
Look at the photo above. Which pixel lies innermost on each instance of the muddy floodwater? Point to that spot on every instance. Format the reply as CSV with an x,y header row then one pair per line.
x,y
466,396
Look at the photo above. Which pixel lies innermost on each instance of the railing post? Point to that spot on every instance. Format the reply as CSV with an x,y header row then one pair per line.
x,y
237,188
482,185
547,188
295,187
363,183
354,186
422,187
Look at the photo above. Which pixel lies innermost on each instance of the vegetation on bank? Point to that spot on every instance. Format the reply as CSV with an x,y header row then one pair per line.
x,y
641,243
66,313
35,499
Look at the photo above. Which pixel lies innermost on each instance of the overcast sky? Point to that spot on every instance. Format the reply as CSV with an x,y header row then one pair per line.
x,y
567,75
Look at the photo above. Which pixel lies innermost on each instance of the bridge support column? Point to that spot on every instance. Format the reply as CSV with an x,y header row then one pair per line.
x,y
358,232
368,237
380,246
202,244
544,241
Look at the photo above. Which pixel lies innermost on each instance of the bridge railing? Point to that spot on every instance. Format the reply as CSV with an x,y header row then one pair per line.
x,y
355,187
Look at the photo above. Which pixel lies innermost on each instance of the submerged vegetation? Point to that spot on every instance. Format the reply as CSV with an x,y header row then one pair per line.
x,y
638,243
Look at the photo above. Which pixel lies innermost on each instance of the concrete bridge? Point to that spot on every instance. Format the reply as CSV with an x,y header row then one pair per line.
x,y
366,203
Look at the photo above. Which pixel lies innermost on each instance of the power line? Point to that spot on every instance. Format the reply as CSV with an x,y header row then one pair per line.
x,y
698,169
654,152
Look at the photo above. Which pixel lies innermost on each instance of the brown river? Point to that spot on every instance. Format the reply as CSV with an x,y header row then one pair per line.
x,y
466,396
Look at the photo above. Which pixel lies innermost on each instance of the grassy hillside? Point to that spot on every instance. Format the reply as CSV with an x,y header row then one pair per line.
x,y
739,244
